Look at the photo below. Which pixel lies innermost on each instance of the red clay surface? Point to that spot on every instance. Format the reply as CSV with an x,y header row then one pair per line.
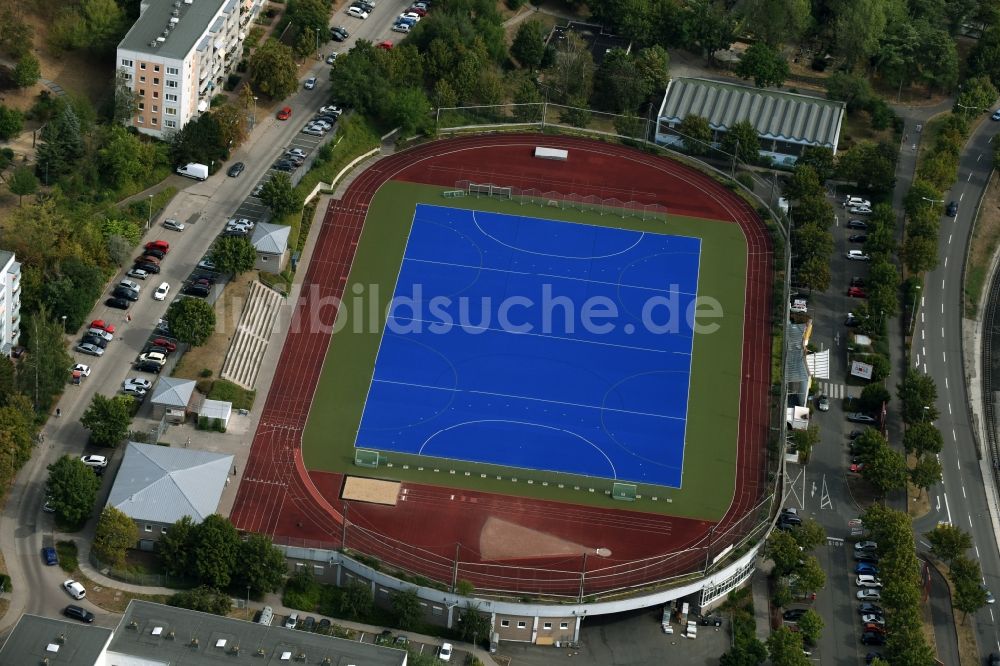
x,y
277,496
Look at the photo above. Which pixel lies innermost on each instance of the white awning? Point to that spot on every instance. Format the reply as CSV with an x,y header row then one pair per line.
x,y
819,364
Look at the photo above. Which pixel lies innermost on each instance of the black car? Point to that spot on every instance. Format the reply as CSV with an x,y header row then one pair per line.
x,y
147,266
794,614
284,165
323,626
95,340
338,34
154,252
160,350
857,224
309,624
867,608
236,169
199,290
865,556
233,232
77,613
873,638
149,366
204,278
952,209
125,292
851,321
858,238
326,117
118,303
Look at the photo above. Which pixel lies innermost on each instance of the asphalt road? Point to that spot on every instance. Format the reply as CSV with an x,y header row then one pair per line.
x,y
204,207
937,350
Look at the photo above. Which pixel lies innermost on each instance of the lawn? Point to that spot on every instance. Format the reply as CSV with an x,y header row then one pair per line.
x,y
713,415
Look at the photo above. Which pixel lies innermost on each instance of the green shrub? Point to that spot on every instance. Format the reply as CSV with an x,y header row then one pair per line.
x,y
302,592
66,550
745,179
205,373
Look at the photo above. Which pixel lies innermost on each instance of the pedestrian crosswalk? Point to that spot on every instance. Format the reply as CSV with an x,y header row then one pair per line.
x,y
832,390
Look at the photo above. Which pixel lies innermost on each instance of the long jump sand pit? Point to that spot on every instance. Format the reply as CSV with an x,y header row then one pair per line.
x,y
375,491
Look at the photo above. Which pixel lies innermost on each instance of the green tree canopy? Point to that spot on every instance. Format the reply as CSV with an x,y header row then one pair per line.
x,y
785,648
114,535
765,64
356,602
11,122
529,44
216,548
28,71
918,396
17,426
176,547
234,254
272,69
926,473
922,438
43,372
742,140
784,551
948,542
696,134
811,627
203,598
71,490
279,196
108,419
978,95
22,182
885,469
406,608
192,320
260,566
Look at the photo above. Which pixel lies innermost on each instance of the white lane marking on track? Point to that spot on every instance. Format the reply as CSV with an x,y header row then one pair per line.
x,y
946,262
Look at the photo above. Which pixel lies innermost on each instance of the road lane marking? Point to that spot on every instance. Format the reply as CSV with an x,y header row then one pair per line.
x,y
964,496
946,508
946,262
958,463
938,507
979,157
922,337
969,178
944,357
925,368
942,289
977,552
942,331
923,350
953,437
949,239
916,364
949,408
946,382
970,525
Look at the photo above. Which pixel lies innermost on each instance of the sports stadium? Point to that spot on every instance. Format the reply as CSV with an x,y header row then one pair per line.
x,y
537,363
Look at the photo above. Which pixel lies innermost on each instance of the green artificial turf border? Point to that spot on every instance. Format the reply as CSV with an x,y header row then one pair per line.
x,y
709,471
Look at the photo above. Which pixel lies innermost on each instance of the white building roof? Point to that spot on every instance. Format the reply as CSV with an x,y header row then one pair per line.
x,y
173,392
271,238
216,409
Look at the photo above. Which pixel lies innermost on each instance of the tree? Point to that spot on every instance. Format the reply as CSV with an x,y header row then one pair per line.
x,y
926,473
708,26
764,64
28,71
273,70
260,566
885,469
201,140
203,598
22,182
472,624
406,608
785,648
192,320
820,159
745,653
858,27
71,490
115,534
571,76
742,140
11,122
809,535
917,395
814,272
176,547
854,90
811,627
529,44
809,575
966,575
696,133
310,18
108,419
978,95
62,144
776,21
125,100
17,425
784,551
43,372
232,125
357,602
123,159
948,542
216,547
922,438
872,397
15,33
805,440
984,59
234,254
279,196
804,182
409,109
920,253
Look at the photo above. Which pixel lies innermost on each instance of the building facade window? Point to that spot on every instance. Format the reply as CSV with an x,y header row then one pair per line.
x,y
142,65
547,626
564,625
142,79
142,92
522,624
156,94
149,528
156,68
504,623
142,106
170,97
172,71
152,121
156,81
155,108
171,84
170,123
139,120
126,62
170,110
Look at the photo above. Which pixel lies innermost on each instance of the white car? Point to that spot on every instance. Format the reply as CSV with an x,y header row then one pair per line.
x,y
101,333
153,357
357,12
91,349
313,131
857,255
138,273
173,225
207,264
859,210
322,124
310,83
411,16
331,108
869,594
444,652
865,545
131,284
296,152
161,291
137,382
94,461
400,27
851,200
82,369
75,589
867,580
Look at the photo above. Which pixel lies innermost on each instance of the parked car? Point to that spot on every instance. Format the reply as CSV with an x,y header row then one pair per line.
x,y
873,618
872,638
312,131
173,224
137,382
866,556
996,115
77,613
866,568
857,467
857,255
146,266
49,556
94,461
236,169
401,27
952,209
100,333
823,403
357,12
851,321
153,357
137,273
310,83
74,589
130,284
332,58
855,201
857,224
867,580
858,238
284,165
860,417
149,366
794,614
309,623
444,652
867,608
207,264
857,292
330,108
161,291
154,252
869,594
125,292
103,325
418,11
339,34
96,340
865,546
89,348
84,370
285,113
859,210
198,290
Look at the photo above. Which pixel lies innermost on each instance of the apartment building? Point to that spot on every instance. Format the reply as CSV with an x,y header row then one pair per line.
x,y
178,54
10,302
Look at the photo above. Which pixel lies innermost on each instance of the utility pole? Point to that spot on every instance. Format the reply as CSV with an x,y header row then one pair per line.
x,y
454,572
149,218
583,578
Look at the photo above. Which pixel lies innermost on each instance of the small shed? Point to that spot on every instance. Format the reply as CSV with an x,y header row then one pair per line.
x,y
271,243
172,394
216,409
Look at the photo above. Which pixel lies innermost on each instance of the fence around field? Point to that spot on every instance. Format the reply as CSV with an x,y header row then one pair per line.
x,y
562,200
145,579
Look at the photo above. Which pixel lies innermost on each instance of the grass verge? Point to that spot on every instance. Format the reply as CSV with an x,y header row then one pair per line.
x,y
983,244
241,398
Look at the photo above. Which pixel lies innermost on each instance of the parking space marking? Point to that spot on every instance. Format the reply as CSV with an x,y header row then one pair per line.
x,y
824,501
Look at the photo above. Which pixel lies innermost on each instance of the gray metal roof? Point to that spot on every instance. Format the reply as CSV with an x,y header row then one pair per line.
x,y
217,636
795,362
35,638
216,409
271,238
5,256
775,114
194,19
163,484
173,391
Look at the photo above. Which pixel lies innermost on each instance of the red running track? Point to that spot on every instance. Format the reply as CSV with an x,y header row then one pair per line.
x,y
279,497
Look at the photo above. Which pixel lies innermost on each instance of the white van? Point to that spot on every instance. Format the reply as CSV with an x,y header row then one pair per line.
x,y
194,170
266,616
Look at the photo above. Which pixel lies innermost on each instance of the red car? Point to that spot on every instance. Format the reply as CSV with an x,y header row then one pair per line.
x,y
99,323
161,245
857,468
285,113
857,292
418,11
166,344
386,45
